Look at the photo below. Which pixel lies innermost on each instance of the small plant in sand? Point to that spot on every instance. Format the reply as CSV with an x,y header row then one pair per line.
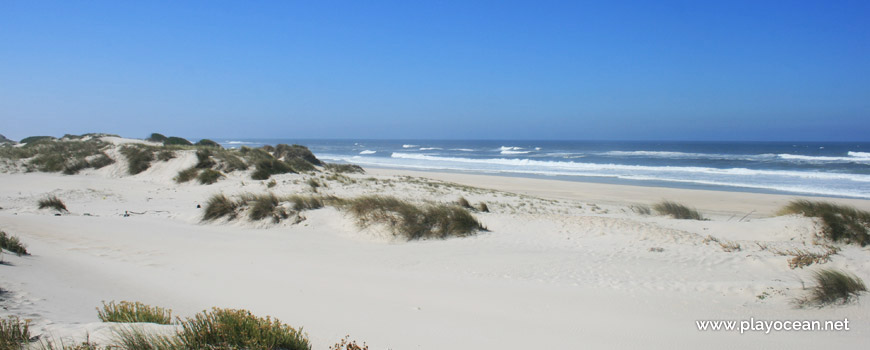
x,y
186,175
344,168
14,333
833,287
301,203
263,206
641,209
801,258
239,329
483,207
462,202
209,176
269,167
52,202
347,344
677,211
730,246
272,183
840,223
413,221
138,158
313,184
129,312
219,206
12,244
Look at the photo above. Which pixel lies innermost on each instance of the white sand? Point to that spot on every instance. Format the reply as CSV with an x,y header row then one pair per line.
x,y
566,264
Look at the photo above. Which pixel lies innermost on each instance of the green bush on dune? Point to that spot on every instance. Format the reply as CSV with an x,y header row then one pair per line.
x,y
840,223
126,311
677,211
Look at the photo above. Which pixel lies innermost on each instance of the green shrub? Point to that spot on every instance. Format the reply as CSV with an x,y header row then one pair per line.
x,y
13,333
207,143
209,176
833,286
839,222
344,168
138,158
12,244
129,312
239,329
268,167
155,137
186,175
412,221
229,162
677,211
288,152
219,206
52,202
176,141
299,165
35,139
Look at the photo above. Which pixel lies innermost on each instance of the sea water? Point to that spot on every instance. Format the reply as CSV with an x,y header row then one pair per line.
x,y
809,168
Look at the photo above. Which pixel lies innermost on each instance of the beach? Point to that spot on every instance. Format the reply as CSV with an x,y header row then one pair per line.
x,y
561,264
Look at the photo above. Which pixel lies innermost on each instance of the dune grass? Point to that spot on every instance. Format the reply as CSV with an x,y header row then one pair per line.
x,y
462,202
412,221
840,223
483,207
268,167
12,244
288,152
176,141
219,206
677,211
52,202
129,312
347,344
186,175
833,287
239,329
207,143
263,206
138,158
301,203
209,176
13,333
51,155
156,137
344,168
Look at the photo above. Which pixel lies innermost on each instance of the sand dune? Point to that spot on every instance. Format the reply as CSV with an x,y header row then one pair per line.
x,y
564,264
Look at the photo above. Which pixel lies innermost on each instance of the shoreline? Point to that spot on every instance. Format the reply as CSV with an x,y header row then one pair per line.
x,y
765,204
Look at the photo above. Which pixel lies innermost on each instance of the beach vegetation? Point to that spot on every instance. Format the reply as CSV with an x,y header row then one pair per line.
x,y
641,209
209,176
176,141
165,155
840,223
239,329
412,221
267,205
482,207
219,206
203,159
156,137
462,202
288,152
138,158
833,287
35,139
52,202
130,312
268,167
344,168
677,211
186,175
347,344
100,161
313,183
14,333
272,183
300,203
207,143
12,244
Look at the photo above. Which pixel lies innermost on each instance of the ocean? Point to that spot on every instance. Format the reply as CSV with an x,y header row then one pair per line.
x,y
805,168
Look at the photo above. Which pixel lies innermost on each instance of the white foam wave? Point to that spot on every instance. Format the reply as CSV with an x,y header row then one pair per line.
x,y
239,143
689,155
410,146
621,168
430,148
514,152
462,149
509,148
368,152
824,159
859,154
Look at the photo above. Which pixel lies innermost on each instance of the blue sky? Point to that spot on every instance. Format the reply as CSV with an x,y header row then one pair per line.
x,y
656,70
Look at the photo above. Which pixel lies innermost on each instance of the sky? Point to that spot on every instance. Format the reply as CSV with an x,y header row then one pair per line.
x,y
566,70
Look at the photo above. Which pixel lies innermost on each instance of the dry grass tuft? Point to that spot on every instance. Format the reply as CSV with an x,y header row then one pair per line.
x,y
219,206
833,287
129,312
52,202
840,223
12,244
677,211
413,221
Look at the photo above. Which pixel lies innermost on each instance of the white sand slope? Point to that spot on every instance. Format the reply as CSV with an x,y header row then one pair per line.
x,y
565,265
